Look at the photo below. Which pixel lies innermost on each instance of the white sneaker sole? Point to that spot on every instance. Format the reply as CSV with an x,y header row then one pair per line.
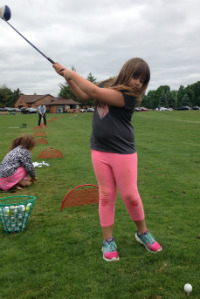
x,y
113,259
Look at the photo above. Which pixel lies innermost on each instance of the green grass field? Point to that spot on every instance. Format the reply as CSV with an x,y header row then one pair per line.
x,y
59,254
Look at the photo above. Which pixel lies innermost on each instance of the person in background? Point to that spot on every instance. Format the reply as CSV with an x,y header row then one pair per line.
x,y
42,114
17,165
113,149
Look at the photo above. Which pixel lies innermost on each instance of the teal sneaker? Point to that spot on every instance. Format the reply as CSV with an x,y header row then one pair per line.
x,y
109,250
148,241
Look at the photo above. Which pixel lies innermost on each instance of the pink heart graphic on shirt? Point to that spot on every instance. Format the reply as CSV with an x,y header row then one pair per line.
x,y
103,111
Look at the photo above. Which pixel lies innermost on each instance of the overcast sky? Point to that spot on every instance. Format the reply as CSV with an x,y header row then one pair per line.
x,y
99,37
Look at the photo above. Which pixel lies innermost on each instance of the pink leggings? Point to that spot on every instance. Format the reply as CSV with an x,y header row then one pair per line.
x,y
112,171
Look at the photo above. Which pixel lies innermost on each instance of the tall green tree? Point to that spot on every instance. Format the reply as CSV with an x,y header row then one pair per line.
x,y
152,99
174,96
91,78
193,92
163,101
16,94
65,91
171,99
180,95
6,97
186,100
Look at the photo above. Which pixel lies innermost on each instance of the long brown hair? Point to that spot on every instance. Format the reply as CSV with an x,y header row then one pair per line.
x,y
27,141
133,68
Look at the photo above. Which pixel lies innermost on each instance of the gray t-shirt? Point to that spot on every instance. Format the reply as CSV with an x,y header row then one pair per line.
x,y
112,130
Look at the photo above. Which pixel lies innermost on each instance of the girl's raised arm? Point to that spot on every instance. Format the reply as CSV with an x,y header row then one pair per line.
x,y
105,95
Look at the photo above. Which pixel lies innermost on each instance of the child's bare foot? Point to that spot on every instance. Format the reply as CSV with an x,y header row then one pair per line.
x,y
18,187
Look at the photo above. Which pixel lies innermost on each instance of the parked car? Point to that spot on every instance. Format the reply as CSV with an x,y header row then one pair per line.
x,y
183,108
28,110
24,110
143,109
195,108
163,109
9,109
138,109
82,110
90,110
32,110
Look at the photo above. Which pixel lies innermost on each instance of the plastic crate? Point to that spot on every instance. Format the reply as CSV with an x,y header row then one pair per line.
x,y
15,212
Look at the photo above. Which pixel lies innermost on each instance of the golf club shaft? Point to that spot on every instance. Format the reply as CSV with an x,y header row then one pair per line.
x,y
30,43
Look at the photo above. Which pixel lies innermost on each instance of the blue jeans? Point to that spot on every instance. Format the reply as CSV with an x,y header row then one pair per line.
x,y
44,119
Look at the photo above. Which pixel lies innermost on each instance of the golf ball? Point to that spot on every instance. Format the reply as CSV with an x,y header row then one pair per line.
x,y
27,209
5,210
21,208
15,212
20,216
188,288
9,212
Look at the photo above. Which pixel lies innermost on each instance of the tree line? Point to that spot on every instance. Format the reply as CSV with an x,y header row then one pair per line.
x,y
8,97
163,96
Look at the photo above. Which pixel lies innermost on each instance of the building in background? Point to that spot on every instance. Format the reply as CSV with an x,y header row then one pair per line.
x,y
53,104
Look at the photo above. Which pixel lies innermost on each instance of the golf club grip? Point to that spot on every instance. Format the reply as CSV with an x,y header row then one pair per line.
x,y
51,60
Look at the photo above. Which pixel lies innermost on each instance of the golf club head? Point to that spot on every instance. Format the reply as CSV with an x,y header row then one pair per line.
x,y
5,13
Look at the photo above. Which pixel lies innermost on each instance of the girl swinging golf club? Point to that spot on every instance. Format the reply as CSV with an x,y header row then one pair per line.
x,y
113,149
112,144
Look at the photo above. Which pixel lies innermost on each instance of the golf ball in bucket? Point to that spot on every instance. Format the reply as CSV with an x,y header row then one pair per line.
x,y
188,288
5,210
15,217
21,208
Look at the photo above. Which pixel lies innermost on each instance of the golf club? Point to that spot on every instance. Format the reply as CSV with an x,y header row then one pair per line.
x,y
5,14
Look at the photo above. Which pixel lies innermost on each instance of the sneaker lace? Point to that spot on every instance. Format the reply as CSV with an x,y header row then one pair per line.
x,y
150,238
111,246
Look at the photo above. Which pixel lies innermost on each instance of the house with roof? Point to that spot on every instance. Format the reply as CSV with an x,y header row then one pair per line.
x,y
60,104
31,100
53,104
